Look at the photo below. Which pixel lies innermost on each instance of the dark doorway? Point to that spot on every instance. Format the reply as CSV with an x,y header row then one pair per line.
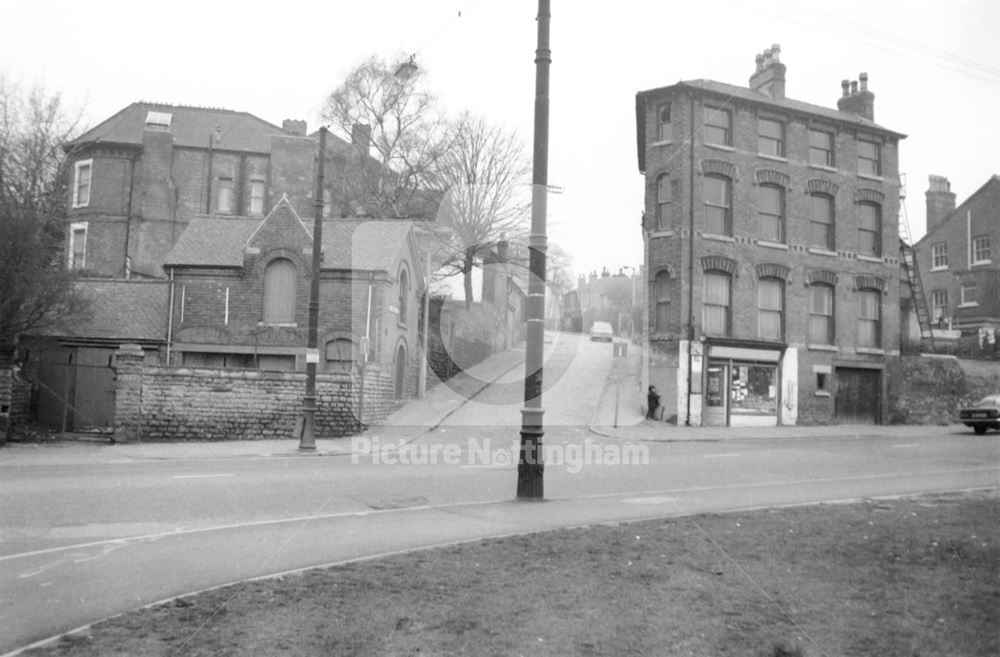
x,y
400,371
859,396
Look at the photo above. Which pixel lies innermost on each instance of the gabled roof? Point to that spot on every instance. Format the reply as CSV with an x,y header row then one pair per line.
x,y
959,211
731,91
190,126
370,245
120,310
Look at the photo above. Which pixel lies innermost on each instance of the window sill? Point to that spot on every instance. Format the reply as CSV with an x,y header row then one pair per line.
x,y
401,325
721,147
823,167
972,304
772,245
868,258
821,393
81,206
936,269
822,347
773,158
661,233
822,252
718,238
868,176
874,351
982,263
666,142
281,324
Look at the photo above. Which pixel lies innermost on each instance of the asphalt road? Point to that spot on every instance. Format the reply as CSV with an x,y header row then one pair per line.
x,y
85,541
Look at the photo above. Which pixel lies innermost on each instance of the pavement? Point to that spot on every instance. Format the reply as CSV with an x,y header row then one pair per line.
x,y
618,416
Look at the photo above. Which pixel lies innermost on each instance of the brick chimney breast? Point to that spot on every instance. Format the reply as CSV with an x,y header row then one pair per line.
x,y
940,201
769,77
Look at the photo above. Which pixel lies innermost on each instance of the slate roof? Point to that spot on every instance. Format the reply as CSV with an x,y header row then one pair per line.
x,y
120,310
370,245
191,126
746,94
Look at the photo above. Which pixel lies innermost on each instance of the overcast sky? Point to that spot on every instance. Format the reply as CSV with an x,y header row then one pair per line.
x,y
934,66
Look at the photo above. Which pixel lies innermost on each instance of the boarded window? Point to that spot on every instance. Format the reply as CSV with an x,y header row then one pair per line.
x,y
279,292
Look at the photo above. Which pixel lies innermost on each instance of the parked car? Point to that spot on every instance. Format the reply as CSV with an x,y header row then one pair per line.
x,y
983,415
601,331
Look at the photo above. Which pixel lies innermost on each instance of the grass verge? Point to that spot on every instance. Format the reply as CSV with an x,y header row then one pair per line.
x,y
899,578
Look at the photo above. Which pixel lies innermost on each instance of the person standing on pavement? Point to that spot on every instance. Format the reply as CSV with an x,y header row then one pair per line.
x,y
652,402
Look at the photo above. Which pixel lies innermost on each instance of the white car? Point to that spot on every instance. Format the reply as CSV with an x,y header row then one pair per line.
x,y
601,331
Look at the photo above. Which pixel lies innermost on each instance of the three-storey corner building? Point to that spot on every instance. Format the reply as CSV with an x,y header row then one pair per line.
x,y
771,246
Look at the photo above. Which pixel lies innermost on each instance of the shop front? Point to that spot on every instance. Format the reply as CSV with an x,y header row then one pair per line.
x,y
742,386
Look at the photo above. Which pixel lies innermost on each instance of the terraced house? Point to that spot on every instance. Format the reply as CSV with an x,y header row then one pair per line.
x,y
771,246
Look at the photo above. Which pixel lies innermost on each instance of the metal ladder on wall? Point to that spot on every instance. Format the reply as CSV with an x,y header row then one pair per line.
x,y
909,257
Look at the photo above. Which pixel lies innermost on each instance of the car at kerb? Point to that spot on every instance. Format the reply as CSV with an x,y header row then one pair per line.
x,y
601,331
983,415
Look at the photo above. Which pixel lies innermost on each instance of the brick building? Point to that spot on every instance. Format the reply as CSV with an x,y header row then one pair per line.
x,y
241,296
958,257
770,233
140,176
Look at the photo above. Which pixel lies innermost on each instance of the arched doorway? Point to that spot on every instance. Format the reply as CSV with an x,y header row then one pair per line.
x,y
400,368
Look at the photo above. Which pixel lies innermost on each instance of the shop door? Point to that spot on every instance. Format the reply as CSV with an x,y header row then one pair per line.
x,y
716,409
859,395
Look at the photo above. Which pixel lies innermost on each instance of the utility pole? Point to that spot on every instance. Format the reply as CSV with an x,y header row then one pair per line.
x,y
530,464
307,441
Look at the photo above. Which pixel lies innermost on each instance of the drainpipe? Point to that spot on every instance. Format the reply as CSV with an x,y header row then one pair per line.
x,y
367,347
128,211
170,316
690,381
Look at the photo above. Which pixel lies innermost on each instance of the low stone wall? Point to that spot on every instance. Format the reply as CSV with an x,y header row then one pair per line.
x,y
161,403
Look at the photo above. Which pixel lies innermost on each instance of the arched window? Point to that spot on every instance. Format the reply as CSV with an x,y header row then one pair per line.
x,y
718,205
279,292
663,202
770,308
662,292
771,205
341,355
869,229
822,222
404,294
716,303
869,318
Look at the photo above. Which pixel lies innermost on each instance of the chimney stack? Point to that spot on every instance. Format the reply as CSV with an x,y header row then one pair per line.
x,y
769,78
294,127
940,201
857,101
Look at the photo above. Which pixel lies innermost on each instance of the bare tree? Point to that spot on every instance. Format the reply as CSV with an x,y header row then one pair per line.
x,y
37,288
483,181
398,134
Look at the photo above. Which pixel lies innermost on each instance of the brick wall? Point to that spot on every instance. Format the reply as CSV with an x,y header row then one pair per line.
x,y
177,403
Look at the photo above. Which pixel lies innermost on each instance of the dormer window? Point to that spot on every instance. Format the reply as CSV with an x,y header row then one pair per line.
x,y
159,119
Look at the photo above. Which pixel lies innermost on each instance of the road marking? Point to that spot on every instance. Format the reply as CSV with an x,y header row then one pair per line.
x,y
205,476
907,445
131,540
651,500
727,455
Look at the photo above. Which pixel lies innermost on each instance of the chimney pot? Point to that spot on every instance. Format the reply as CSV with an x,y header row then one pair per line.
x,y
845,86
864,81
854,87
940,201
294,126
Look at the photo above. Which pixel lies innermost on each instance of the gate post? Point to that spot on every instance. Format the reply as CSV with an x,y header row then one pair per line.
x,y
128,393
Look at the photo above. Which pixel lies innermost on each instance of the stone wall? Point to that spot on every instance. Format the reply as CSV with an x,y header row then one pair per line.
x,y
930,390
159,403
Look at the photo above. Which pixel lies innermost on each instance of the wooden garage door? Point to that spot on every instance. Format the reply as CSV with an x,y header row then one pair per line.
x,y
859,396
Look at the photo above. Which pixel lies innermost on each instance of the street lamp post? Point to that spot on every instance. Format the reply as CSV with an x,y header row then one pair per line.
x,y
530,465
307,441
